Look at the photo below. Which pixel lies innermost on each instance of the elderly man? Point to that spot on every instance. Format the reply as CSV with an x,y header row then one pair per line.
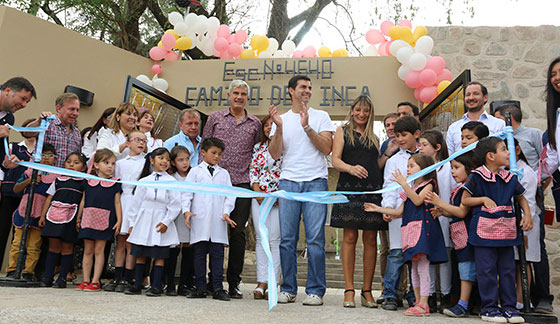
x,y
62,132
303,137
189,136
240,131
15,94
476,96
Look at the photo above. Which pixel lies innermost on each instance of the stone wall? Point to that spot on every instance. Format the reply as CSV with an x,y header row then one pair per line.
x,y
511,61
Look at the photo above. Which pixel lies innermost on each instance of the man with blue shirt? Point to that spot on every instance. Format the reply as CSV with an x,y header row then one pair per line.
x,y
189,136
476,96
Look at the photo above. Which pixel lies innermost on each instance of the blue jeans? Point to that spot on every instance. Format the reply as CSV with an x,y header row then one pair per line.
x,y
395,263
314,217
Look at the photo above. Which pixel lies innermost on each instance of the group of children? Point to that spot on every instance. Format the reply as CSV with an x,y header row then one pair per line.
x,y
151,224
470,203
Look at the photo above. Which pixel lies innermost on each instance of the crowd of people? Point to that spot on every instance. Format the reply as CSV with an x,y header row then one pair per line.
x,y
452,231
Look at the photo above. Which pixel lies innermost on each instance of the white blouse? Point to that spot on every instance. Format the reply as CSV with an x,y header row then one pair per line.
x,y
112,141
90,144
153,143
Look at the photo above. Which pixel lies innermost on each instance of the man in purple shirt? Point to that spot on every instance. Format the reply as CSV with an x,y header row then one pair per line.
x,y
62,132
240,131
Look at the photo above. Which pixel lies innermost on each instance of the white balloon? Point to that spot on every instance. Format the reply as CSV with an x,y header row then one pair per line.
x,y
396,46
213,24
143,78
265,54
372,51
272,45
190,18
404,54
175,18
417,61
161,84
207,47
181,29
403,72
200,24
280,53
424,45
288,46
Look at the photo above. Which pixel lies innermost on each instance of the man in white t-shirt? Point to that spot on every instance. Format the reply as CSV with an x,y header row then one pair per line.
x,y
302,137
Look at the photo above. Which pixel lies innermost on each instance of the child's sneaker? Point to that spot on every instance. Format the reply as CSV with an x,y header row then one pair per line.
x,y
456,311
493,316
94,286
82,285
513,317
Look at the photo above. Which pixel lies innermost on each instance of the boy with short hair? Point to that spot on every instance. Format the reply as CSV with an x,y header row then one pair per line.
x,y
407,131
208,217
33,244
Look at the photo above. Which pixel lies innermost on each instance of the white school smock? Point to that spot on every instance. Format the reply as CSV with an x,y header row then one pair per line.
x,y
128,169
90,144
445,183
153,143
183,231
112,141
147,209
208,224
529,182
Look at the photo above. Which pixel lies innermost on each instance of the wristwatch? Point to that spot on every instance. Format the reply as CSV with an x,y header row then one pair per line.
x,y
307,128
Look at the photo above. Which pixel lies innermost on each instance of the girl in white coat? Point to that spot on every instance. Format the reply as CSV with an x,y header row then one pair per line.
x,y
152,212
432,144
208,217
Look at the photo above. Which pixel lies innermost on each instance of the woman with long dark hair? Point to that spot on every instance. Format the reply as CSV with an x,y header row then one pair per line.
x,y
92,136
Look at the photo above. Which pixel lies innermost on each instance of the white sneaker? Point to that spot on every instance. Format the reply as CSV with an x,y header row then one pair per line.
x,y
286,297
313,300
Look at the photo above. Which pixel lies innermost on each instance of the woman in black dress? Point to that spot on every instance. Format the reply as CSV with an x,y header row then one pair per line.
x,y
355,154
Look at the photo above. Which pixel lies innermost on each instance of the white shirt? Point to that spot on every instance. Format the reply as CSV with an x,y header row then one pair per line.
x,y
150,207
90,144
129,169
302,161
453,137
392,198
112,141
208,224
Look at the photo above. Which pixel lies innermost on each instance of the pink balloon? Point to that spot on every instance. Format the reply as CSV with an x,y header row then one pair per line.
x,y
309,51
235,50
171,56
226,55
383,49
221,44
405,23
428,94
297,53
240,36
223,31
413,79
444,75
436,63
168,41
374,36
417,92
156,69
385,27
427,77
157,53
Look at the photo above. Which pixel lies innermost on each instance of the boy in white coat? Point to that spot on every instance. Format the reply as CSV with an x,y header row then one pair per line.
x,y
208,217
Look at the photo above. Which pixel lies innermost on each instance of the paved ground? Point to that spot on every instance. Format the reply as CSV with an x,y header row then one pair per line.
x,y
48,305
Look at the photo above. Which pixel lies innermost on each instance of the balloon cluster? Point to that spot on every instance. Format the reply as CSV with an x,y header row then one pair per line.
x,y
323,51
228,45
158,83
421,71
264,47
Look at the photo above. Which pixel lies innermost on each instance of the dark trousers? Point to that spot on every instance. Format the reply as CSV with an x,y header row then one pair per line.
x,y
201,251
8,205
237,239
491,263
540,287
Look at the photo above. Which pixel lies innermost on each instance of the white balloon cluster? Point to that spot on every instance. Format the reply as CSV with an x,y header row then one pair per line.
x,y
202,30
273,50
158,83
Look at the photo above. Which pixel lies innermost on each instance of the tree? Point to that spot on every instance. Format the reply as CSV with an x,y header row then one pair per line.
x,y
136,25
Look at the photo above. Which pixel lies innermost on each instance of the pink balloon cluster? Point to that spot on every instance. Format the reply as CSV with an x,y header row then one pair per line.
x,y
309,51
425,81
379,39
166,52
228,45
